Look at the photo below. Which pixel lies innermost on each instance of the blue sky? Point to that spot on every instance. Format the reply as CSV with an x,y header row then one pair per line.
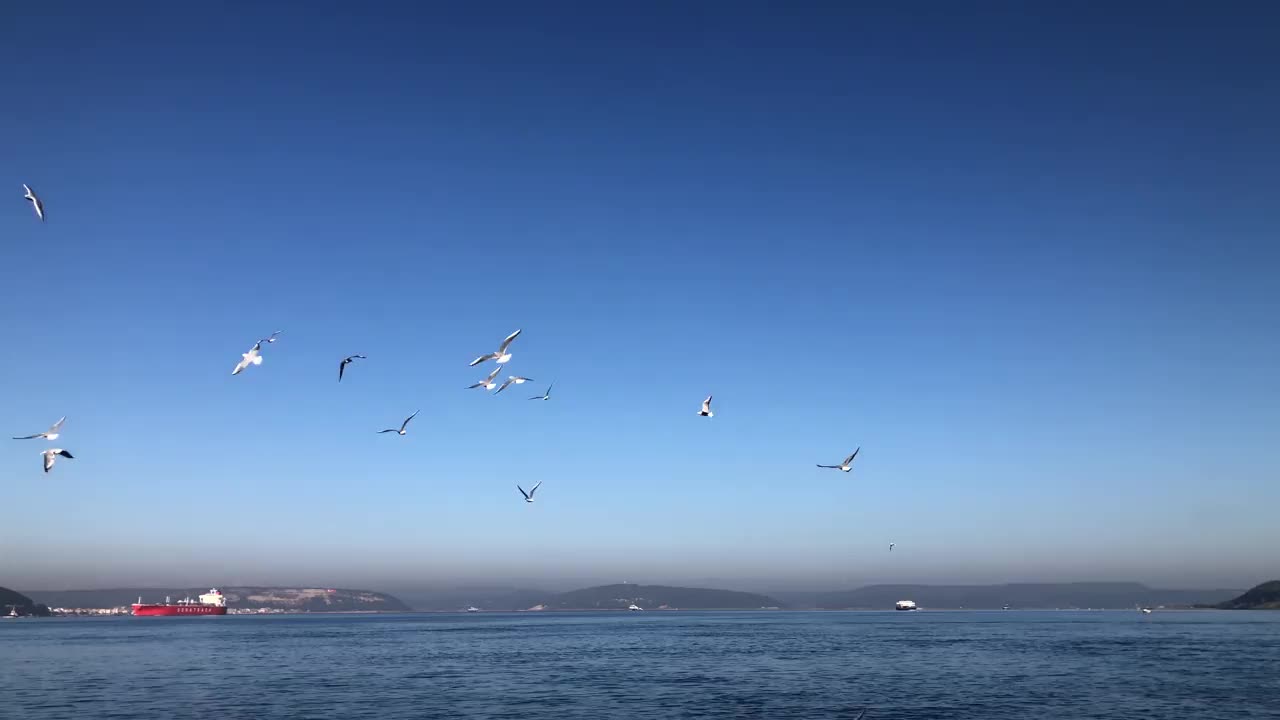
x,y
1026,259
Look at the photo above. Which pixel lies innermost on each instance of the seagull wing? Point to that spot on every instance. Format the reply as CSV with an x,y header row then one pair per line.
x,y
833,467
406,420
851,457
482,358
522,492
553,384
388,430
341,367
58,424
503,347
535,488
493,375
66,454
706,404
30,437
503,386
48,460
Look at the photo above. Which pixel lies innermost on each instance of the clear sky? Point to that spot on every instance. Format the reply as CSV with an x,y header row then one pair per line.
x,y
1027,259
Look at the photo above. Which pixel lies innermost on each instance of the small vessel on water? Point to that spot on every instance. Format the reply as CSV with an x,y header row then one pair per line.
x,y
634,607
905,605
1144,610
473,608
13,612
210,603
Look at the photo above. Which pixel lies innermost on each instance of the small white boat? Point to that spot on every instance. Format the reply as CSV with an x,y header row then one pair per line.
x,y
473,608
905,605
634,607
1145,611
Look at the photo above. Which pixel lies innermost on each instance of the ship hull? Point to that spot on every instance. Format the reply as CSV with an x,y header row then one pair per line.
x,y
177,610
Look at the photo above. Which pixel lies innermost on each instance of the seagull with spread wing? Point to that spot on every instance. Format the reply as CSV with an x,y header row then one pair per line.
x,y
35,201
512,380
546,395
706,408
845,466
253,357
50,434
403,425
342,366
528,496
487,383
51,456
501,355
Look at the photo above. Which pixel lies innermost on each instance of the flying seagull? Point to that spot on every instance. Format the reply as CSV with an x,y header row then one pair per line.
x,y
891,546
50,434
402,425
270,339
512,380
50,456
528,496
546,395
253,357
501,355
847,465
35,201
343,365
487,383
706,408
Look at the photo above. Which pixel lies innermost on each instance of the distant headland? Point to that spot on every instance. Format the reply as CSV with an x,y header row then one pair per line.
x,y
1263,597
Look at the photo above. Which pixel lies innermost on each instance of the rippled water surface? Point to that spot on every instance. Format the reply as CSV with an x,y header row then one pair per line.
x,y
1185,665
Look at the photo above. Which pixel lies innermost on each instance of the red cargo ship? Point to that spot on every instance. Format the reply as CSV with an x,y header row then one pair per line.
x,y
210,603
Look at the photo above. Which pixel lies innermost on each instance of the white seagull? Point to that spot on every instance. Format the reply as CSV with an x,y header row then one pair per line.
x,y
847,465
528,496
501,355
546,395
50,434
270,339
51,455
343,365
35,201
891,546
512,380
402,425
706,408
253,357
487,383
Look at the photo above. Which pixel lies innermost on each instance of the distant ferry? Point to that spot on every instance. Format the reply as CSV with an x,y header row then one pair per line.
x,y
905,605
473,608
634,607
1145,610
210,603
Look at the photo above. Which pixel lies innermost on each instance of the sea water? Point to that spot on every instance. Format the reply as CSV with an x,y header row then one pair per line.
x,y
1192,665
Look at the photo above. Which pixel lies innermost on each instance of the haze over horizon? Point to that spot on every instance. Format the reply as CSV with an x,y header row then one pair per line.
x,y
1024,257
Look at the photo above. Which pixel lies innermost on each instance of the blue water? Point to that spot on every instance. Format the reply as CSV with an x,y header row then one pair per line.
x,y
979,665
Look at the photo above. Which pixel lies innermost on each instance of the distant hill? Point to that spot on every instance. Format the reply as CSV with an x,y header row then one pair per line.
x,y
1017,596
1263,597
279,598
653,597
479,596
23,604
